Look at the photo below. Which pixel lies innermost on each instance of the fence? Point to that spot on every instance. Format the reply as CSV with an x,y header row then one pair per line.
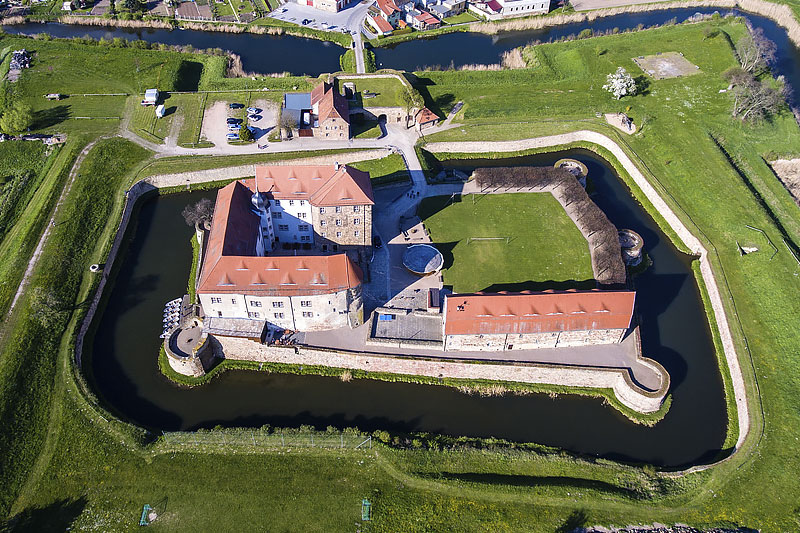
x,y
267,440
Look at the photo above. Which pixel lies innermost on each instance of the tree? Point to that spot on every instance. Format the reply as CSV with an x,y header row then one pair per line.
x,y
756,52
245,134
198,213
288,123
411,100
17,118
753,100
620,83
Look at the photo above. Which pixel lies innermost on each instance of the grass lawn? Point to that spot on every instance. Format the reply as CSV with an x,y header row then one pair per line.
x,y
466,16
145,124
191,107
388,92
544,250
389,169
367,129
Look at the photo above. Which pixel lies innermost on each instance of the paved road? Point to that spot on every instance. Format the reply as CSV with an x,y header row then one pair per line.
x,y
348,19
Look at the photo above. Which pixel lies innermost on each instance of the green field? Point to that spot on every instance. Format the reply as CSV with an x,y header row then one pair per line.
x,y
390,169
388,92
539,247
68,462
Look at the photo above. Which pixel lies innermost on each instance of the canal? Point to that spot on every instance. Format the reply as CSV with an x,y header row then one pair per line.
x,y
674,330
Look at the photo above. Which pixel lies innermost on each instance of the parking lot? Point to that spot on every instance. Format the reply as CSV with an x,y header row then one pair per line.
x,y
349,19
215,127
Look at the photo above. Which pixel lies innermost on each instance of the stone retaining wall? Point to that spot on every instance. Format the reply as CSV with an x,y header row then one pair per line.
x,y
615,379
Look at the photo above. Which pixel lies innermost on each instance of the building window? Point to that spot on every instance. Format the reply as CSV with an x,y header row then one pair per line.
x,y
308,314
253,315
302,202
338,233
356,233
291,202
338,221
323,223
277,214
254,303
305,238
356,221
305,303
277,304
233,301
277,202
338,209
278,315
219,314
302,215
216,300
302,227
356,209
283,227
321,210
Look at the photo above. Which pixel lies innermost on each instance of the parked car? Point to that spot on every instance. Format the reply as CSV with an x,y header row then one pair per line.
x,y
254,118
234,129
253,110
376,241
233,136
232,120
236,106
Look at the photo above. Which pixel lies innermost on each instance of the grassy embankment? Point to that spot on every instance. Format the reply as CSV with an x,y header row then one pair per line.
x,y
550,253
94,468
712,194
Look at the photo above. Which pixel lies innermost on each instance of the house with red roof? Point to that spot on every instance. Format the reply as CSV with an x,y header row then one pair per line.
x,y
422,20
500,9
389,11
322,113
380,24
527,320
277,250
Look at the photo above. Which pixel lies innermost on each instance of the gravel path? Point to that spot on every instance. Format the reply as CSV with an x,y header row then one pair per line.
x,y
669,216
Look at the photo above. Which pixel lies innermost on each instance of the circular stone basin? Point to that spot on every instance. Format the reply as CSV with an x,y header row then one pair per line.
x,y
423,259
185,340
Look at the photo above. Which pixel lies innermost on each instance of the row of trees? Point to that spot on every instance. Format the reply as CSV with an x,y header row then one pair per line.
x,y
754,98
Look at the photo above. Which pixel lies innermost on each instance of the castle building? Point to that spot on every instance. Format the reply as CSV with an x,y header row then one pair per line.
x,y
281,250
527,320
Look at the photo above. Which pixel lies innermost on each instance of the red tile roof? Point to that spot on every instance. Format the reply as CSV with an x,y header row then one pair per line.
x,y
331,103
321,185
495,6
537,312
388,7
231,267
425,115
427,18
382,24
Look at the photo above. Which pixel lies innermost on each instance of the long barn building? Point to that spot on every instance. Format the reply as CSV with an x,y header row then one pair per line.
x,y
527,320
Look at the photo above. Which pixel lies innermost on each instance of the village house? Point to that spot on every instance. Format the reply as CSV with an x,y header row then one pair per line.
x,y
527,320
322,113
389,12
332,6
422,20
379,24
499,9
252,275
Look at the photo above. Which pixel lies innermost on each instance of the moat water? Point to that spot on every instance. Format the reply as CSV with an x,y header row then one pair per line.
x,y
675,332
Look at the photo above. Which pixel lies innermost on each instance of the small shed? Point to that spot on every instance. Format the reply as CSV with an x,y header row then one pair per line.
x,y
160,111
67,6
150,97
425,118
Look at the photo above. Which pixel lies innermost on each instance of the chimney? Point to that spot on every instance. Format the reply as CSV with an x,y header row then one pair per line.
x,y
336,165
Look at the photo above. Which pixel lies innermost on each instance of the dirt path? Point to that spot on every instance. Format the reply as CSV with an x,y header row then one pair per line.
x,y
73,173
677,225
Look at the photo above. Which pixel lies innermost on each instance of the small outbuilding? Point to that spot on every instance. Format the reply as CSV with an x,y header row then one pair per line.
x,y
67,6
425,118
160,111
150,97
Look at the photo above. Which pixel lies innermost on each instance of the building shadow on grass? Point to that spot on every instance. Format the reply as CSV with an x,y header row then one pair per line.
x,y
576,520
188,76
57,516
